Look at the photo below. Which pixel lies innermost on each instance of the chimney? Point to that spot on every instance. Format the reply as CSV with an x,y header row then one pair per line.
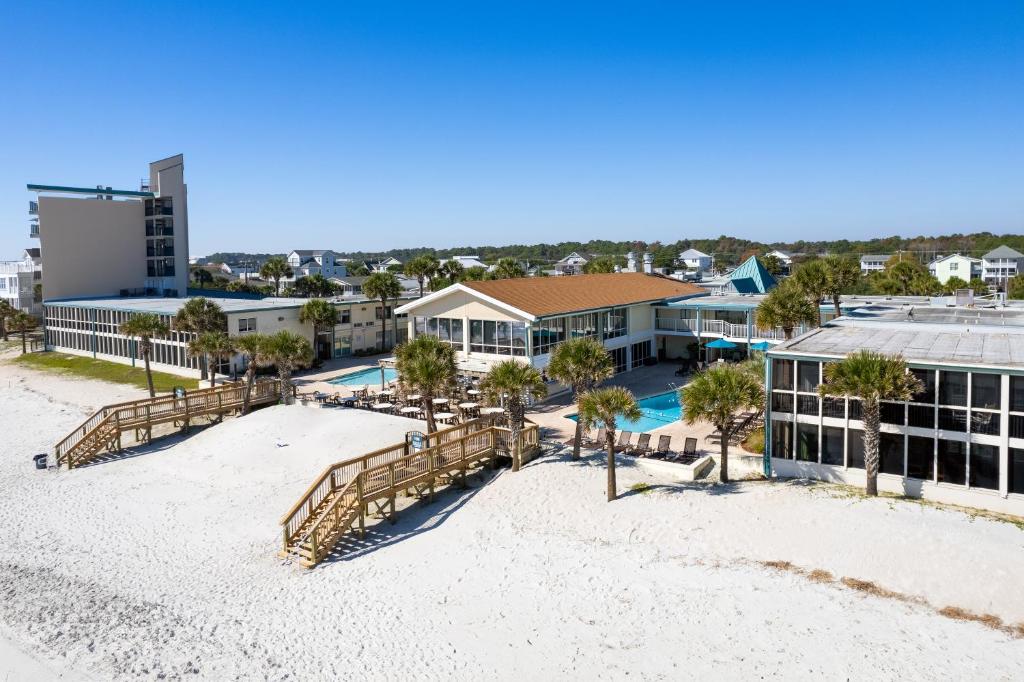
x,y
648,263
631,262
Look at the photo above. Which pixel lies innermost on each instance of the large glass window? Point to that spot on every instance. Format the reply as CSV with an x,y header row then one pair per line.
x,y
618,356
782,374
782,441
1016,426
855,408
616,323
922,416
782,402
834,407
927,378
448,330
807,404
984,466
952,420
493,336
985,390
807,442
807,376
892,413
832,445
953,388
985,422
1016,470
1017,394
921,458
890,453
548,333
952,461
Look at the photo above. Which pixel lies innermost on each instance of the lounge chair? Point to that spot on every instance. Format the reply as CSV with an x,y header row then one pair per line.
x,y
624,438
598,440
664,448
642,446
690,446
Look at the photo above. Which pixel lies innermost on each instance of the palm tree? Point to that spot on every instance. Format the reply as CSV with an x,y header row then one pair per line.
x,y
452,270
515,382
287,351
145,326
322,315
427,366
252,347
604,406
275,268
811,279
23,323
715,395
314,286
422,268
841,275
580,364
871,377
6,312
384,286
787,307
202,277
213,347
508,268
200,315
600,264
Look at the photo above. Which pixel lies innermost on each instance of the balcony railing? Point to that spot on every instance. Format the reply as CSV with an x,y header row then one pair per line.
x,y
33,230
676,324
33,208
721,327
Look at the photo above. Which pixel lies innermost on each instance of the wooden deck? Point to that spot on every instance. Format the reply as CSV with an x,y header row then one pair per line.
x,y
340,498
104,431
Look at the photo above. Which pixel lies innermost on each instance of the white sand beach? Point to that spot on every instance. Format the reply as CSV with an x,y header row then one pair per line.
x,y
164,565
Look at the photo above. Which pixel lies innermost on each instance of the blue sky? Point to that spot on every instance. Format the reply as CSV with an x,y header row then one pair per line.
x,y
374,125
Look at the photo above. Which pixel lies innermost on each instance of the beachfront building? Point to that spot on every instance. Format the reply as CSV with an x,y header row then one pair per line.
x,y
692,259
102,241
526,318
90,327
1001,265
955,265
20,282
572,264
873,263
960,440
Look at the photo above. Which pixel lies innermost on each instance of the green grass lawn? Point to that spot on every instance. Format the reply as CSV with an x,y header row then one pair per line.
x,y
89,368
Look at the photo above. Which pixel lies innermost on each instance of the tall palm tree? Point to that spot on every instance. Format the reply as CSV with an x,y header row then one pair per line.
x,y
384,286
322,315
252,347
197,316
787,307
600,264
427,366
871,377
422,268
514,381
213,347
145,326
202,277
715,395
315,286
811,279
287,351
580,364
508,268
6,312
276,268
604,406
841,275
452,270
22,323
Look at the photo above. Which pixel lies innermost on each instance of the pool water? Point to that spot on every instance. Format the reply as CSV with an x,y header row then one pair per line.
x,y
365,377
658,410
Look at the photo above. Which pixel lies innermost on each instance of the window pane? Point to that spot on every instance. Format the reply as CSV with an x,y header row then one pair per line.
x,y
834,407
1017,394
985,390
921,415
457,331
782,402
952,420
782,441
782,374
807,375
807,442
1016,470
476,331
488,333
890,453
431,323
1016,426
984,466
807,404
856,409
953,388
927,377
892,413
832,445
985,422
920,458
952,461
444,329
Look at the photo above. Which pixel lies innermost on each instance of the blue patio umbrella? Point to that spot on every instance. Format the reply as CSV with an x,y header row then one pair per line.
x,y
721,344
761,345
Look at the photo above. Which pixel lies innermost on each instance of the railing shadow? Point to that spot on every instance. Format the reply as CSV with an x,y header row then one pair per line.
x,y
159,443
421,516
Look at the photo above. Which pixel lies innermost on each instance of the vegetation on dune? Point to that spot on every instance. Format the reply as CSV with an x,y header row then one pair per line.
x,y
89,368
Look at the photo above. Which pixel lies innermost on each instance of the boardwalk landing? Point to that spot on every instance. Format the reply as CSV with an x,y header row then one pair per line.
x,y
105,430
340,499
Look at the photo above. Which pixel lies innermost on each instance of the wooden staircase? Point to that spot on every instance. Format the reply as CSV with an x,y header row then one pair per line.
x,y
340,498
104,430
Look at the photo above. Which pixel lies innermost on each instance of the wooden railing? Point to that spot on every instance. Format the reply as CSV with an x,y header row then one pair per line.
x,y
151,411
452,452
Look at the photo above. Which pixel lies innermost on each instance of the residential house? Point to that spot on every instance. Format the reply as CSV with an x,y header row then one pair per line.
x,y
571,265
693,259
466,262
1000,265
873,263
306,262
955,265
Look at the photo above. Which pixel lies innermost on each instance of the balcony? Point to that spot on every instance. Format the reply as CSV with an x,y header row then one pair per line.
x,y
33,208
670,324
33,230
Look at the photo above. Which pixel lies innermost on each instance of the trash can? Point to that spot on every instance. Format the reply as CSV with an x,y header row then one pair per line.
x,y
40,460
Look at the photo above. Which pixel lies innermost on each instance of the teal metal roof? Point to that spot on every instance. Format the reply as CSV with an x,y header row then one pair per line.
x,y
752,278
89,190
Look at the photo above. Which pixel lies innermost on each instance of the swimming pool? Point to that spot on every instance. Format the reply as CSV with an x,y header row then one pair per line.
x,y
365,377
658,410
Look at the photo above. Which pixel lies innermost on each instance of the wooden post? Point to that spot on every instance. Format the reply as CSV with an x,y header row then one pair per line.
x,y
362,506
391,498
462,456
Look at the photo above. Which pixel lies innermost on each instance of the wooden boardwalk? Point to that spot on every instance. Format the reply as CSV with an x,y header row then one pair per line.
x,y
339,500
104,431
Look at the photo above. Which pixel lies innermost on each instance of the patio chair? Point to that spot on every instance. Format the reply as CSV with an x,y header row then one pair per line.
x,y
690,446
598,440
642,446
664,448
624,438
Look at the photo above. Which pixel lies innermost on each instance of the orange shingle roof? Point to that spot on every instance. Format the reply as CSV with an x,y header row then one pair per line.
x,y
541,296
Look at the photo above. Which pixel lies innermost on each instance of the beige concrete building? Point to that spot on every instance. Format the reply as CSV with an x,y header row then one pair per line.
x,y
108,242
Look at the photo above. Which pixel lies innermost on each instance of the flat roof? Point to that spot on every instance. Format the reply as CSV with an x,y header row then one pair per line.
x,y
90,190
170,306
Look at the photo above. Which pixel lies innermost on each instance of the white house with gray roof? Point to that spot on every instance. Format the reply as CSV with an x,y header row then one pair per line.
x,y
306,262
1000,265
873,262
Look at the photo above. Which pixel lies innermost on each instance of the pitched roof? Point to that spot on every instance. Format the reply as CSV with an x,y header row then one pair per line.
x,y
33,252
540,296
752,278
1002,252
309,252
874,257
693,253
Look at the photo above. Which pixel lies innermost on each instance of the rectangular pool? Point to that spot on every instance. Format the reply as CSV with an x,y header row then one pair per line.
x,y
657,410
365,377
